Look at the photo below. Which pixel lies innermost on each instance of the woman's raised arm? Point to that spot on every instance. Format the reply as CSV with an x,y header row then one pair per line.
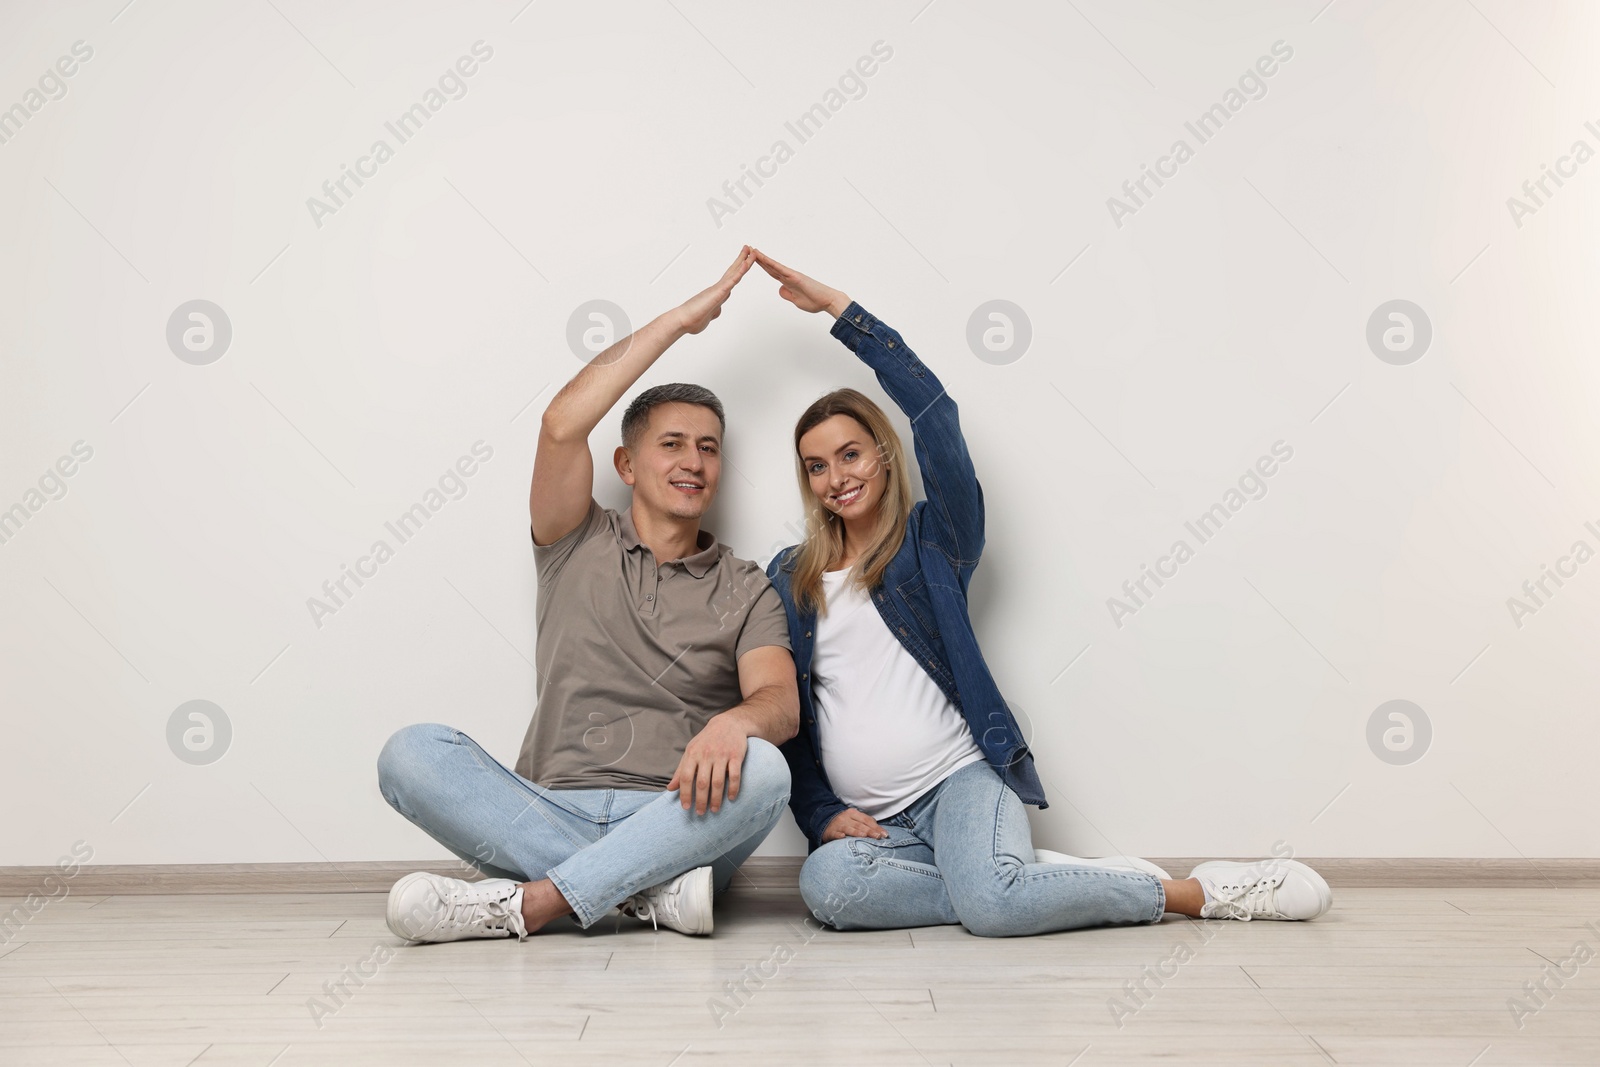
x,y
955,499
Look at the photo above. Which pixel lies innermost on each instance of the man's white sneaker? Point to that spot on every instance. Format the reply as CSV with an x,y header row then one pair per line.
x,y
428,907
682,904
1265,889
1115,863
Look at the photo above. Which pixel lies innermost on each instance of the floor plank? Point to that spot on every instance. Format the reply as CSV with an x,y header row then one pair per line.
x,y
1426,976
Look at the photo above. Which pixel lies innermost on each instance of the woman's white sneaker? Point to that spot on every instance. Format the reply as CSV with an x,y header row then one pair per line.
x,y
1265,889
429,907
1115,863
682,904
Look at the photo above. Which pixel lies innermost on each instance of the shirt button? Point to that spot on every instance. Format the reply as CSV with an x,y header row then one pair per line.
x,y
803,677
652,596
808,633
858,318
891,344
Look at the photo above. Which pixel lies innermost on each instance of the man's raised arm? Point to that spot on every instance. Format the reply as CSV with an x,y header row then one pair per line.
x,y
563,470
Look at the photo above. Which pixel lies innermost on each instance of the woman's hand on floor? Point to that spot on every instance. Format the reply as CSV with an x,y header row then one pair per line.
x,y
852,823
805,293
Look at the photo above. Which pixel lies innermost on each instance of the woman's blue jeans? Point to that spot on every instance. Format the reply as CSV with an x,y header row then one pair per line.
x,y
599,846
963,853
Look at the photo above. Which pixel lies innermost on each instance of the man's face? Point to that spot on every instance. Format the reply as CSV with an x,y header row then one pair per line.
x,y
676,465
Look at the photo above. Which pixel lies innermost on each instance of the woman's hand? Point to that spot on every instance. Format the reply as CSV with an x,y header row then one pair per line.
x,y
852,823
805,293
696,313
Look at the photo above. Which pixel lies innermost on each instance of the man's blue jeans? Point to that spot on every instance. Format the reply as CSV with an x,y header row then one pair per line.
x,y
963,853
599,846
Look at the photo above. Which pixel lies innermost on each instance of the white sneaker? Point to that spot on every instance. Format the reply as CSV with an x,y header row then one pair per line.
x,y
1115,863
428,907
682,904
1265,889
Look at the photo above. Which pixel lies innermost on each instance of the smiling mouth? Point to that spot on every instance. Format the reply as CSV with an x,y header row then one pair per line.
x,y
850,497
688,487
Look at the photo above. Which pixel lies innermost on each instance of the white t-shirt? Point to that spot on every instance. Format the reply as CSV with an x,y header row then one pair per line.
x,y
888,732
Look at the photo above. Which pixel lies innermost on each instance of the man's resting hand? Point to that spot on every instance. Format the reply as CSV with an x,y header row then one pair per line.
x,y
711,763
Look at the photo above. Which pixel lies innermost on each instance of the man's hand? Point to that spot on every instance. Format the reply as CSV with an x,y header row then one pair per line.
x,y
563,470
696,313
805,293
852,823
712,760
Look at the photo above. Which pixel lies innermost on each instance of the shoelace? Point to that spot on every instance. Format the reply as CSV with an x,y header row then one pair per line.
x,y
461,911
642,907
646,910
1259,894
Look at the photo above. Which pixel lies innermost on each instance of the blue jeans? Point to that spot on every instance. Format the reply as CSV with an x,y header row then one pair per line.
x,y
599,846
963,853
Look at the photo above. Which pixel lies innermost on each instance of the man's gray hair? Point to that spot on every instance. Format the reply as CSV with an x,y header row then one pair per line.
x,y
637,417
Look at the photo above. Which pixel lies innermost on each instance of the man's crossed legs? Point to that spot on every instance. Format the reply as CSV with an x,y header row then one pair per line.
x,y
596,847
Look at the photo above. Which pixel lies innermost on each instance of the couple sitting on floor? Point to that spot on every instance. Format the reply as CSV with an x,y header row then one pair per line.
x,y
684,698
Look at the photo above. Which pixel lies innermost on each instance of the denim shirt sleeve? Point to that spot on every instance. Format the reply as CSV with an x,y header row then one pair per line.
x,y
955,500
814,804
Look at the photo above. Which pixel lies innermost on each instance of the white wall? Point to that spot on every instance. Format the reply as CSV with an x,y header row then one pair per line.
x,y
1226,313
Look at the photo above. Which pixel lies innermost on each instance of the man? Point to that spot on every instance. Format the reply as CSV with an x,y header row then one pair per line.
x,y
665,682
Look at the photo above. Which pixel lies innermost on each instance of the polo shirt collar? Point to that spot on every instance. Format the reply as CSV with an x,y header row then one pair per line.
x,y
699,564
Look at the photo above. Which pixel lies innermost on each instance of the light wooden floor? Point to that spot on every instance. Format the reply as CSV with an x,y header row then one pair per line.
x,y
1390,976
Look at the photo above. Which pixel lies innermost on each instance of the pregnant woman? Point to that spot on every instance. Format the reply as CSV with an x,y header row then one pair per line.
x,y
909,773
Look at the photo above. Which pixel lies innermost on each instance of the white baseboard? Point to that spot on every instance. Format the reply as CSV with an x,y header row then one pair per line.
x,y
759,872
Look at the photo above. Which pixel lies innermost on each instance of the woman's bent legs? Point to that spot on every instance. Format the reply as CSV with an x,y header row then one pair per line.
x,y
859,883
984,848
964,854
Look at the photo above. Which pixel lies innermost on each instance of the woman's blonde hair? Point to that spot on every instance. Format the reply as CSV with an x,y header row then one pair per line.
x,y
823,546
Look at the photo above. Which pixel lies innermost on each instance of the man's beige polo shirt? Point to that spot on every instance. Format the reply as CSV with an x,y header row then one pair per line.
x,y
634,656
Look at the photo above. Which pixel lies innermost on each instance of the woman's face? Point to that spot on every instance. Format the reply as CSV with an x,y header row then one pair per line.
x,y
844,468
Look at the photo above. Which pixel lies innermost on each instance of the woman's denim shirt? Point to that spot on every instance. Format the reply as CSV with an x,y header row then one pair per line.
x,y
923,596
